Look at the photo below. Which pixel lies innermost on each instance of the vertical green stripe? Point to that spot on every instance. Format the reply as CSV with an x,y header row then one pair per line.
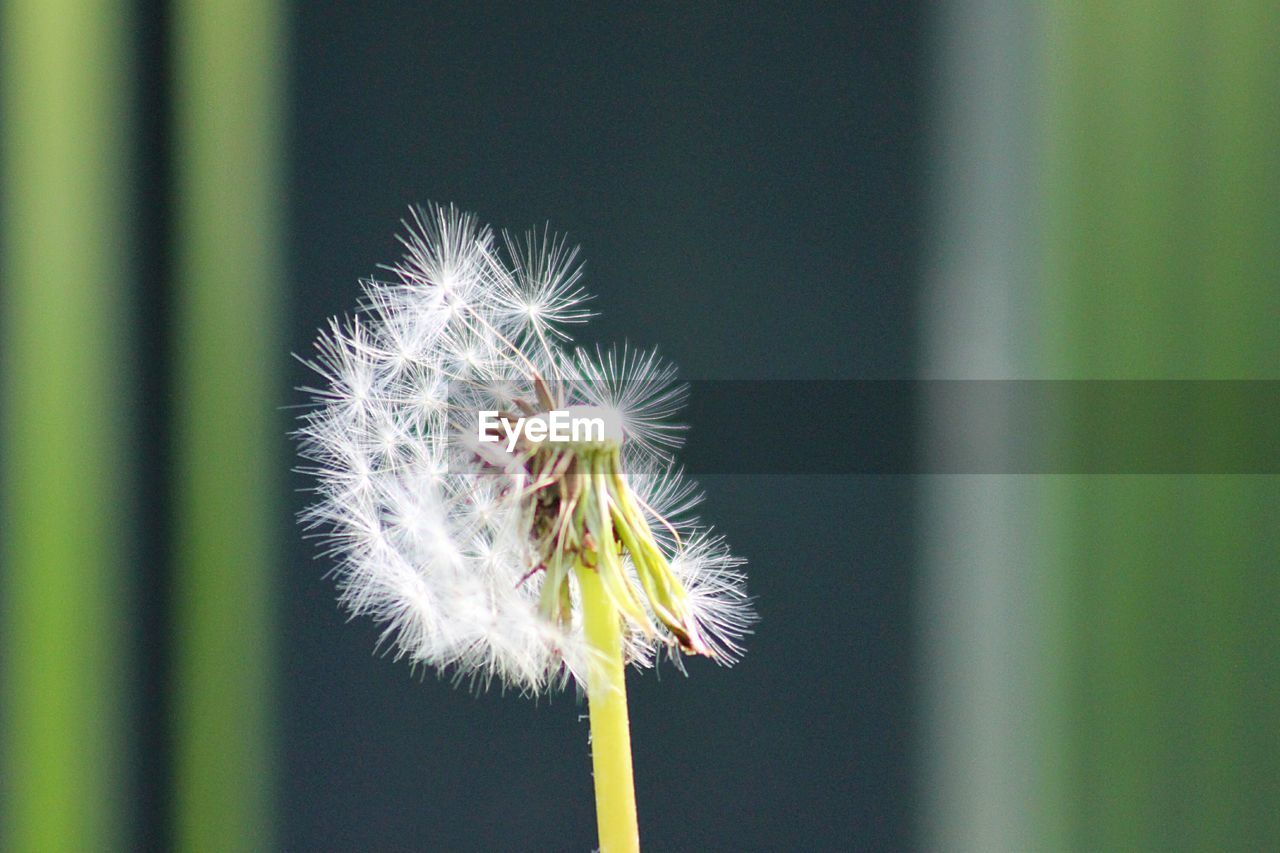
x,y
1129,207
229,106
64,378
1161,218
1238,517
1060,43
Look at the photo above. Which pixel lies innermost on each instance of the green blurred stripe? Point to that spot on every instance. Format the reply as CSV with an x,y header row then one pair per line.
x,y
1239,98
1160,181
65,377
229,101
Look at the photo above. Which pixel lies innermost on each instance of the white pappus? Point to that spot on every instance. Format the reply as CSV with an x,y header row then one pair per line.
x,y
465,550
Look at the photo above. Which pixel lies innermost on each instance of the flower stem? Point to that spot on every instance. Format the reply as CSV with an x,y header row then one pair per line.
x,y
610,729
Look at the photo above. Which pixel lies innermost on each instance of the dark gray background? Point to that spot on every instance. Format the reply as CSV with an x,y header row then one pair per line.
x,y
745,183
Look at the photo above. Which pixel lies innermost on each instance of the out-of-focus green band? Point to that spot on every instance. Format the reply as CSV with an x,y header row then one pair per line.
x,y
229,106
1160,236
64,379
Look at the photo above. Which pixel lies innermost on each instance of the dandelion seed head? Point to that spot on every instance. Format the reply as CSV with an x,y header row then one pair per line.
x,y
465,550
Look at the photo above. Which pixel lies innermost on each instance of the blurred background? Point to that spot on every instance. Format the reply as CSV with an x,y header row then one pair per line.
x,y
981,190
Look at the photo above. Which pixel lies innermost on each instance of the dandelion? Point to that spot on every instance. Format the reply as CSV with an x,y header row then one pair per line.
x,y
489,544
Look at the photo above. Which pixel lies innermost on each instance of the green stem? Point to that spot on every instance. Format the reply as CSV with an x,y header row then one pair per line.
x,y
610,729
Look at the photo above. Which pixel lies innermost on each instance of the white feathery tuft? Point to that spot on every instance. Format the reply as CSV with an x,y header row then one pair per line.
x,y
431,529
